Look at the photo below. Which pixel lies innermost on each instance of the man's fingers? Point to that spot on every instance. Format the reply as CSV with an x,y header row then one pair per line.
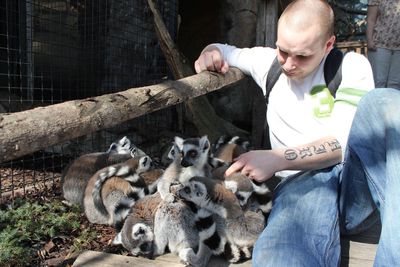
x,y
235,167
212,61
224,67
197,66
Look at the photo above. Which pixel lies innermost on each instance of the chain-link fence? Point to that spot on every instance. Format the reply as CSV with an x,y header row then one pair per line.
x,y
52,51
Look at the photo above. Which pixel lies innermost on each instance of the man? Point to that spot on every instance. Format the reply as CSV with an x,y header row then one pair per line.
x,y
322,193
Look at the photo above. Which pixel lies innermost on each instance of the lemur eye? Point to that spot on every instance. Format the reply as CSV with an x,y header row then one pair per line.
x,y
192,153
113,146
240,197
144,247
140,231
186,189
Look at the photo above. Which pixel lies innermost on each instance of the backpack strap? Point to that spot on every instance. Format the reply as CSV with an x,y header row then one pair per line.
x,y
332,72
272,77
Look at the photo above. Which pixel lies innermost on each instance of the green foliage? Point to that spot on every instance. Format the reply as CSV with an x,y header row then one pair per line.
x,y
83,240
27,223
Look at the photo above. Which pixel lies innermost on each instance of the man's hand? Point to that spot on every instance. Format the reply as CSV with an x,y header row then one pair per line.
x,y
258,165
371,45
211,59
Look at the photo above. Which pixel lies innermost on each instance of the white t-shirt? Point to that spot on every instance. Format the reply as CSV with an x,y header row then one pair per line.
x,y
301,112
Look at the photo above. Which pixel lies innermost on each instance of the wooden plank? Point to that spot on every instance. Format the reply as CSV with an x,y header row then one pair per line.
x,y
355,254
360,250
357,251
101,259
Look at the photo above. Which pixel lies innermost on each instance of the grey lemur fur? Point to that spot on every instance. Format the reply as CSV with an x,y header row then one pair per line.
x,y
111,191
153,225
75,176
189,158
251,194
242,228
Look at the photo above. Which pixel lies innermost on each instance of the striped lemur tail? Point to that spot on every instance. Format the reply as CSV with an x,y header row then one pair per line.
x,y
128,170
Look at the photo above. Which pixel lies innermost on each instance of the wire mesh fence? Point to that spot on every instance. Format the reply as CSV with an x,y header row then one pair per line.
x,y
53,51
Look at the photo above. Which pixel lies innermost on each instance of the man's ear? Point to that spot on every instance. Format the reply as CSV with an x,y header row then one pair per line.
x,y
329,44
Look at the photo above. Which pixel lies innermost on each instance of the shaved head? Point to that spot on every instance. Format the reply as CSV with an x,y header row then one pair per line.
x,y
304,14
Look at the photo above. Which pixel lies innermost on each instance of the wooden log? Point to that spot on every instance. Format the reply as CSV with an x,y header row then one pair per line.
x,y
25,132
202,113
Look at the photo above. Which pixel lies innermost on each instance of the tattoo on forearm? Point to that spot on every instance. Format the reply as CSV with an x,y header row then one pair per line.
x,y
319,150
292,154
335,145
305,152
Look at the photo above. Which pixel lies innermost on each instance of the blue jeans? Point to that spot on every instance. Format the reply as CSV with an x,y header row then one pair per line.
x,y
385,65
313,208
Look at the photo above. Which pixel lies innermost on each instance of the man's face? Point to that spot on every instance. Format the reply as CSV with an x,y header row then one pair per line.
x,y
300,51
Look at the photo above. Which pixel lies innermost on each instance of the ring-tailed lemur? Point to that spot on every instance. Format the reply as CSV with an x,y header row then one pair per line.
x,y
153,225
76,175
189,159
111,191
251,194
242,228
224,151
227,148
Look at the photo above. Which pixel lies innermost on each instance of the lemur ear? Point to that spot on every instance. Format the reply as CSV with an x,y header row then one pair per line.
x,y
204,143
117,239
179,142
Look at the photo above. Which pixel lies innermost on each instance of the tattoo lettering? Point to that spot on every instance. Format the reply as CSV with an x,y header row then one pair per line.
x,y
304,152
319,150
290,154
335,145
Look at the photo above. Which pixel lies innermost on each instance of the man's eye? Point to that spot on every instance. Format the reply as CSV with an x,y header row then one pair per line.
x,y
302,57
283,53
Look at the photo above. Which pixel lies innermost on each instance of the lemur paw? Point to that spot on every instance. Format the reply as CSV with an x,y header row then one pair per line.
x,y
169,198
186,255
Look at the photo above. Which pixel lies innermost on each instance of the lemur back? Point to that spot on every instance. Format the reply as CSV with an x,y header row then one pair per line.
x,y
241,228
153,225
113,190
76,175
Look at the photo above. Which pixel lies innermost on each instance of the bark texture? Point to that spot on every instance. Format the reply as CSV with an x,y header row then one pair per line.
x,y
22,133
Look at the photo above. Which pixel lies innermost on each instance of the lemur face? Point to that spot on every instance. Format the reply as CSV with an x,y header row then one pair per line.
x,y
142,237
145,164
242,195
139,240
174,152
122,146
195,192
194,150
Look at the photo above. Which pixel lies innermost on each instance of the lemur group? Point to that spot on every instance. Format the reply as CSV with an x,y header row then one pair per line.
x,y
189,207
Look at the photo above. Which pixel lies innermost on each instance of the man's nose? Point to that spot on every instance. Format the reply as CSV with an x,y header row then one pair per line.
x,y
289,64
